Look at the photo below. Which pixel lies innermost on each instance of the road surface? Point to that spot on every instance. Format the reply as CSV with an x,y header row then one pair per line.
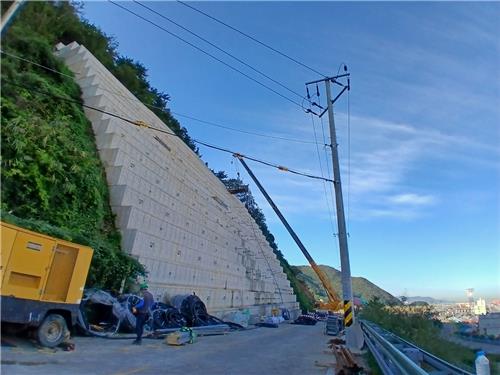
x,y
289,349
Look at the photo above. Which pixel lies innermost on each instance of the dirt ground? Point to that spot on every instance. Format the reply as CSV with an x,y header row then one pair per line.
x,y
289,349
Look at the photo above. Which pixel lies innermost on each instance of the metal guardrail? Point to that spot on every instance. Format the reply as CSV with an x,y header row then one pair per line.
x,y
396,356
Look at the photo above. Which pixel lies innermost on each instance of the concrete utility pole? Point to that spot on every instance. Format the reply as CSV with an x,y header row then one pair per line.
x,y
354,336
339,203
7,17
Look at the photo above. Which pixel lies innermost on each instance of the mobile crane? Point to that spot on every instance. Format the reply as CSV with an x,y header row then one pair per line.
x,y
334,303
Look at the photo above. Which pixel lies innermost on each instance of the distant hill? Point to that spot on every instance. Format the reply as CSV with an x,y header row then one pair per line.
x,y
429,300
361,287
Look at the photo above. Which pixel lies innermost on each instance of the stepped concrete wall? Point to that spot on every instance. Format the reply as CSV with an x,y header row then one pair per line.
x,y
174,215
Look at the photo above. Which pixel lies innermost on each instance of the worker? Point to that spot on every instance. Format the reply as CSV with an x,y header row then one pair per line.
x,y
141,312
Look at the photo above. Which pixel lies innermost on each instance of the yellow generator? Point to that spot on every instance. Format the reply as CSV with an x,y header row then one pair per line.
x,y
41,282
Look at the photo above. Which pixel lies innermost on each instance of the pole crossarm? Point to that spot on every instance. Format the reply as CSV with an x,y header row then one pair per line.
x,y
332,79
326,80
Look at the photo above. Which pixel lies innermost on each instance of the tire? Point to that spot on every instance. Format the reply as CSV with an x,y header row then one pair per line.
x,y
52,331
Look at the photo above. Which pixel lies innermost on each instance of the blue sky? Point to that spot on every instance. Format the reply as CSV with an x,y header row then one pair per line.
x,y
424,178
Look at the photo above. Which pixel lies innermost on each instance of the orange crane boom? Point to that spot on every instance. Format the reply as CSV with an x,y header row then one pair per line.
x,y
334,302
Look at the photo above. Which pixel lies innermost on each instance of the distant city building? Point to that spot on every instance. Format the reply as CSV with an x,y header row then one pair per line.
x,y
480,307
489,324
462,308
494,305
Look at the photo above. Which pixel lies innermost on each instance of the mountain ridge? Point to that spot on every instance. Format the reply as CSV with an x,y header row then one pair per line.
x,y
362,287
429,300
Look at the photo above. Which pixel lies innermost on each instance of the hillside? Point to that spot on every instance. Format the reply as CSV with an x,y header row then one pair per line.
x,y
361,287
52,178
429,300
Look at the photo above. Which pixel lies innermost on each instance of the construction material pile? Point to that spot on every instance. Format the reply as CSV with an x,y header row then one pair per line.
x,y
346,362
194,311
101,314
334,324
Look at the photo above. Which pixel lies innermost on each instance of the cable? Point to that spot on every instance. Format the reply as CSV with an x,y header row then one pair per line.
x,y
327,157
328,166
340,67
242,131
144,125
348,162
322,175
280,167
161,108
208,54
137,123
252,38
36,64
320,164
330,189
333,215
219,49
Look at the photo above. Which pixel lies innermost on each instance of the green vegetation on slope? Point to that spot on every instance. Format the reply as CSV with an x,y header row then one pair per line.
x,y
361,287
417,325
52,179
304,296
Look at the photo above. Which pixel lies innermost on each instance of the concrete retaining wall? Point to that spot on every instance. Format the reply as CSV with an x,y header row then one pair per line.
x,y
175,216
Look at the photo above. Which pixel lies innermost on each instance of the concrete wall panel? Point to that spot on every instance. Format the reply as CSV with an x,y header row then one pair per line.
x,y
175,216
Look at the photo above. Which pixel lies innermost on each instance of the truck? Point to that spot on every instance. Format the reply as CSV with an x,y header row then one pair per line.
x,y
41,282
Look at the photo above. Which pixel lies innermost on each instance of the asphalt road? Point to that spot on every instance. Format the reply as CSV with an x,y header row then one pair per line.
x,y
289,349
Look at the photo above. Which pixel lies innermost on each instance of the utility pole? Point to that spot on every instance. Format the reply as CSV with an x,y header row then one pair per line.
x,y
7,17
354,336
339,203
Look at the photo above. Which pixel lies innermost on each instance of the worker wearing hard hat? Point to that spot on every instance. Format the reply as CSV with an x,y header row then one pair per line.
x,y
141,311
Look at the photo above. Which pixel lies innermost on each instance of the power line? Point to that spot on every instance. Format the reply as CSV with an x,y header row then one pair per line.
x,y
142,124
330,187
251,38
277,166
242,131
327,157
219,49
348,151
348,161
36,64
325,190
210,123
69,100
322,175
209,54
